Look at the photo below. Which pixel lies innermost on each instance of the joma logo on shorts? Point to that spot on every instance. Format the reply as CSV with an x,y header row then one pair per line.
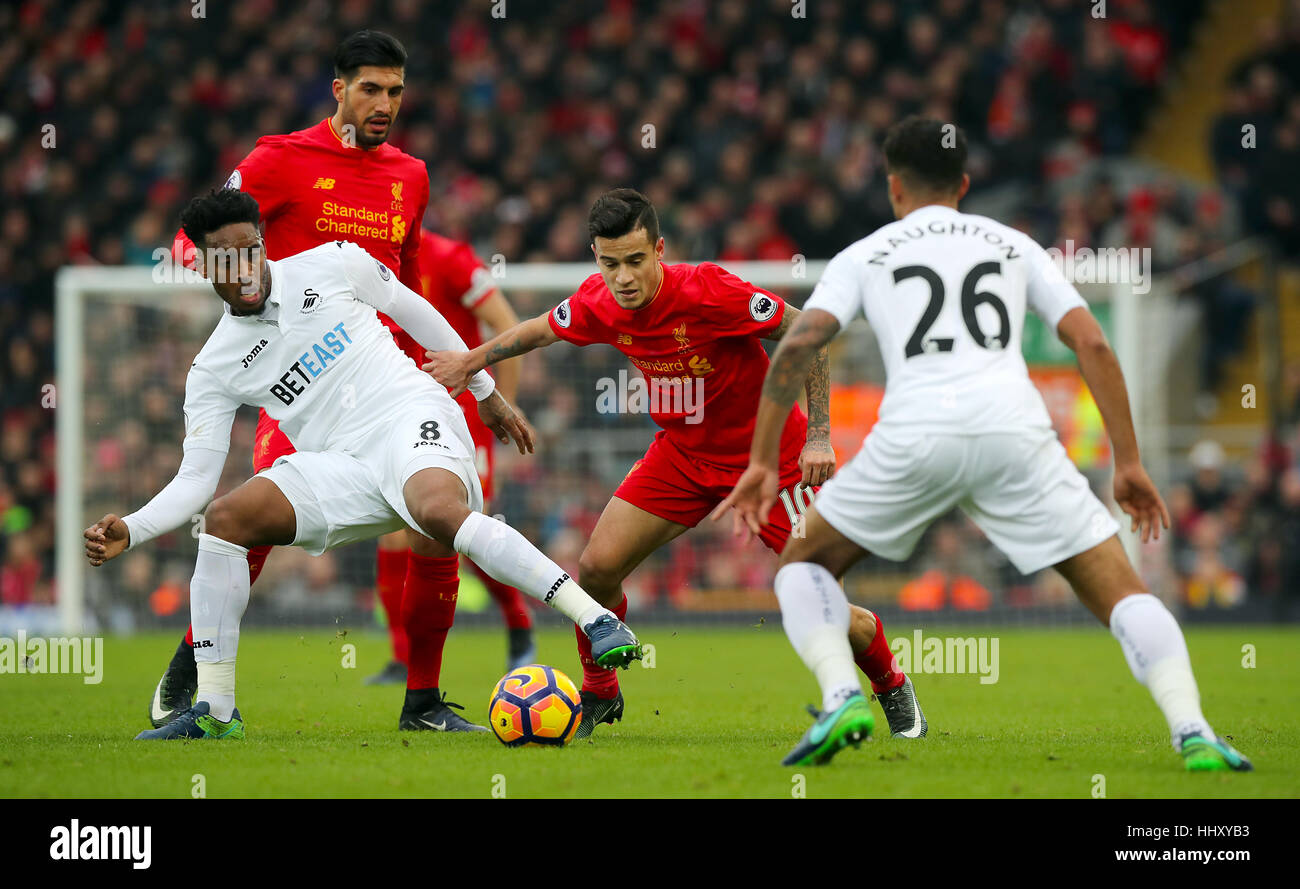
x,y
201,643
550,594
248,359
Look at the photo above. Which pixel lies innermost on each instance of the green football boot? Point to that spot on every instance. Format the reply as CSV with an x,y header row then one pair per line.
x,y
1212,754
195,723
850,723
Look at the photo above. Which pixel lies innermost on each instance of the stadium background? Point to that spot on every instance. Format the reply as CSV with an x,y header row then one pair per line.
x,y
1120,130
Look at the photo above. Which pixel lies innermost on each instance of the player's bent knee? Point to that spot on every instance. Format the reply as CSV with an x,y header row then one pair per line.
x,y
440,517
227,519
599,577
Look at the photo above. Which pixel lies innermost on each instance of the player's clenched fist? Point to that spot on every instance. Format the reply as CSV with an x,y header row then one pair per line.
x,y
452,369
106,539
817,461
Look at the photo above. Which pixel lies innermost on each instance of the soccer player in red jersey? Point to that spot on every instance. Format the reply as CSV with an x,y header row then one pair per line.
x,y
341,180
694,331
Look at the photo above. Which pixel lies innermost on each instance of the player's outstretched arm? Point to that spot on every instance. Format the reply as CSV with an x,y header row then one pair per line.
x,y
455,369
183,498
1135,493
756,491
817,459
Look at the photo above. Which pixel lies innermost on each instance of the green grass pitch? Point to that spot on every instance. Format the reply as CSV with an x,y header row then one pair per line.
x,y
712,718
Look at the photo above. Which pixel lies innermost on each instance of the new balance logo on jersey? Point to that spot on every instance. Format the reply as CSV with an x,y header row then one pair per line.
x,y
323,182
311,364
311,302
257,350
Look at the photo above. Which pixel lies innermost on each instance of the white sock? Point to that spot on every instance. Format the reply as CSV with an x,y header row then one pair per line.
x,y
815,613
218,597
507,555
1157,654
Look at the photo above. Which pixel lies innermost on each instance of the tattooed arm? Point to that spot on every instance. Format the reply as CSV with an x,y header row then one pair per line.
x,y
756,491
455,369
818,458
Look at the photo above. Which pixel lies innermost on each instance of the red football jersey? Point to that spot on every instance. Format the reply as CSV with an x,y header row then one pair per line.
x,y
703,323
455,281
313,188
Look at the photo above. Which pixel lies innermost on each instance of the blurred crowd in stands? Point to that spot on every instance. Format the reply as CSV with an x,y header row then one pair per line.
x,y
755,130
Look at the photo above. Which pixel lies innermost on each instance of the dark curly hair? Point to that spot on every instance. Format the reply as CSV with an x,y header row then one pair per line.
x,y
209,212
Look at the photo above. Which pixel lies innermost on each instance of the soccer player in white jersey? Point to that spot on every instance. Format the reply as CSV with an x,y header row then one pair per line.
x,y
381,446
960,425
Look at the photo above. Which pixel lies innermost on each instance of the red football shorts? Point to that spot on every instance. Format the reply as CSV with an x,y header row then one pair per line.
x,y
684,488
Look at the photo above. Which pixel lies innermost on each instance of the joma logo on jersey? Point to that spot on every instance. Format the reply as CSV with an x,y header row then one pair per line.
x,y
248,359
331,346
324,183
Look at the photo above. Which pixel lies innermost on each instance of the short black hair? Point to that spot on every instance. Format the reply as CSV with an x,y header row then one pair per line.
x,y
929,154
209,212
621,211
367,47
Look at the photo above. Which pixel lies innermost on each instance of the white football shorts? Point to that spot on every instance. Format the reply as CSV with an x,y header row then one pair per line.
x,y
1019,487
340,498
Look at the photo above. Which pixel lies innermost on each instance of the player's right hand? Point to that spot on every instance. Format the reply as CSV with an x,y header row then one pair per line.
x,y
452,369
1136,494
752,499
106,539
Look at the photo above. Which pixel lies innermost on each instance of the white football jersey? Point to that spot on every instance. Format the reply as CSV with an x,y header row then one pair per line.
x,y
317,358
945,293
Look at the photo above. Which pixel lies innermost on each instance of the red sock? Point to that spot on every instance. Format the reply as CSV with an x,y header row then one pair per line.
x,y
189,636
428,610
508,599
878,662
256,560
596,678
390,577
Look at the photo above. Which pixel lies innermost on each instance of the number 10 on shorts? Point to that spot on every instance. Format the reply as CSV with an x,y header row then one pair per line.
x,y
796,499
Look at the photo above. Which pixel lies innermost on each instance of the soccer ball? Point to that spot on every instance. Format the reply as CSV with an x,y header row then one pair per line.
x,y
535,705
